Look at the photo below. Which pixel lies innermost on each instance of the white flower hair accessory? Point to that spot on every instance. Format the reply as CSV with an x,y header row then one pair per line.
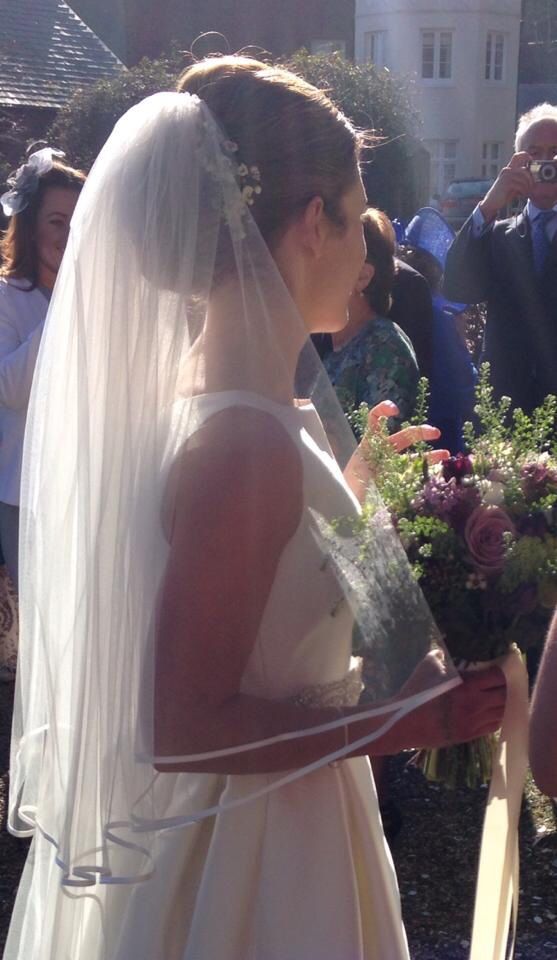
x,y
225,166
25,180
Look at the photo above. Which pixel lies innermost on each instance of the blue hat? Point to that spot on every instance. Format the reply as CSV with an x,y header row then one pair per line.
x,y
429,231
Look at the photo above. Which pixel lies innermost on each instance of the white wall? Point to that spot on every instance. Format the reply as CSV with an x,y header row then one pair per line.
x,y
468,108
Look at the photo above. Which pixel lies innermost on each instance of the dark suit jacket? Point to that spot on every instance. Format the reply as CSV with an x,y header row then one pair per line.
x,y
521,331
412,309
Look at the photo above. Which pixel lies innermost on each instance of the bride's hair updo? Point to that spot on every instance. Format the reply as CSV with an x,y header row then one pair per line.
x,y
301,144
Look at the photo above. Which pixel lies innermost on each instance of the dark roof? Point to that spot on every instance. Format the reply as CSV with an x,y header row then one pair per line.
x,y
531,94
47,53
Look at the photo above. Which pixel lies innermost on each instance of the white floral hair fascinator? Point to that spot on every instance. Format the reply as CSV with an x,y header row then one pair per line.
x,y
25,180
249,178
227,168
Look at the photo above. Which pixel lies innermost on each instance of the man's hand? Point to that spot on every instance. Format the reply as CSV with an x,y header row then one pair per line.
x,y
514,180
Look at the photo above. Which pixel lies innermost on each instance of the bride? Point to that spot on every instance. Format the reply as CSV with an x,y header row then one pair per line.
x,y
188,749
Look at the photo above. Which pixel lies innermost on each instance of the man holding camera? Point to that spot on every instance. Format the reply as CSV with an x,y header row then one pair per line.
x,y
512,264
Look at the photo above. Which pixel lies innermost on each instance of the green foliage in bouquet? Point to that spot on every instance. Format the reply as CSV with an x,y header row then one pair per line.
x,y
480,532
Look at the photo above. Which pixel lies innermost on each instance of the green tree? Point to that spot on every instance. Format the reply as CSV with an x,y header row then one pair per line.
x,y
396,169
85,123
370,97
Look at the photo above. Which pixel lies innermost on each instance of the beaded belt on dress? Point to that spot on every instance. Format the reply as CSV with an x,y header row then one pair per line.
x,y
337,693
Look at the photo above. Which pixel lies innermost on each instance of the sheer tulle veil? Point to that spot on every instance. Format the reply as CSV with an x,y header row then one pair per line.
x,y
163,226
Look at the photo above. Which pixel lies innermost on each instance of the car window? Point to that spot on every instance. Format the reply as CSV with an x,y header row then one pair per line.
x,y
468,188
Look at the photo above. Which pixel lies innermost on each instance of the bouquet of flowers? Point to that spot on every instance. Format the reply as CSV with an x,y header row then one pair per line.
x,y
480,531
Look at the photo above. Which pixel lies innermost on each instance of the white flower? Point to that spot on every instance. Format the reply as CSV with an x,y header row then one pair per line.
x,y
243,170
494,493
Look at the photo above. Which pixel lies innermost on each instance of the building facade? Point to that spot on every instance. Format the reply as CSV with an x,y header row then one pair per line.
x,y
462,57
138,28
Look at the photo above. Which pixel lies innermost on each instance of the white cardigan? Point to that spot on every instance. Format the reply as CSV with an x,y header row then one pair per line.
x,y
22,316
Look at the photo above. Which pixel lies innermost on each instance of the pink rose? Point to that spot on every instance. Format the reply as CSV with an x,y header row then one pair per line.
x,y
483,535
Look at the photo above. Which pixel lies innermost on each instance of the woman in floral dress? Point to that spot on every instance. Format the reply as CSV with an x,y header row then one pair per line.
x,y
372,360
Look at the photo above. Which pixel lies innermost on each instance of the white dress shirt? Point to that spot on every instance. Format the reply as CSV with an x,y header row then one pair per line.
x,y
22,316
531,211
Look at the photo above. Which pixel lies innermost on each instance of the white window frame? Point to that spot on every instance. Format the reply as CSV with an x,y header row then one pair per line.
x,y
492,159
439,38
375,47
493,67
322,47
443,157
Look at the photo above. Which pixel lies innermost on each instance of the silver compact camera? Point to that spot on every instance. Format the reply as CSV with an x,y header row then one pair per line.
x,y
544,171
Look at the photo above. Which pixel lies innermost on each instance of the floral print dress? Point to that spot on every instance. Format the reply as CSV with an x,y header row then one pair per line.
x,y
377,364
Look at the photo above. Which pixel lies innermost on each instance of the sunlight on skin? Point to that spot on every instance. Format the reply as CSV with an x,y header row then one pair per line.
x,y
403,439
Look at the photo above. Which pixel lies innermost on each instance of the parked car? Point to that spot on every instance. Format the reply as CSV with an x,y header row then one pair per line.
x,y
460,198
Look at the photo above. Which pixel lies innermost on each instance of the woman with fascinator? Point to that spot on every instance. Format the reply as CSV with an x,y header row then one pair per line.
x,y
39,205
453,380
189,750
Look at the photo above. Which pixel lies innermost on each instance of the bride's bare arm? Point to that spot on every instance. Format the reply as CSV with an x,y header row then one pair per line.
x,y
238,506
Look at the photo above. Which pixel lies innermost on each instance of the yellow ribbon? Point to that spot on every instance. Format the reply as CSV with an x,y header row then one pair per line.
x,y
496,906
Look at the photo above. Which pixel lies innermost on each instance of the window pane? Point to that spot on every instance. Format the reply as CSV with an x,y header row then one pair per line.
x,y
488,57
449,174
375,47
370,47
443,166
428,55
491,151
445,51
498,62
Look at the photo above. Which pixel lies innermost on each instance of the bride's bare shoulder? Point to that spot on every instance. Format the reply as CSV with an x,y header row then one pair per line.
x,y
238,454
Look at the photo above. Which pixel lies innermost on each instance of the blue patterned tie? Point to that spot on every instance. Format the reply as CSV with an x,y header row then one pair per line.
x,y
540,241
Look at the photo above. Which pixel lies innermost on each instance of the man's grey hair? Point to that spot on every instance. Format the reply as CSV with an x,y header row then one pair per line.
x,y
543,111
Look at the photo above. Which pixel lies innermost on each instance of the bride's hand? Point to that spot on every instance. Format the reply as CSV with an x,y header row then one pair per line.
x,y
472,709
403,439
359,469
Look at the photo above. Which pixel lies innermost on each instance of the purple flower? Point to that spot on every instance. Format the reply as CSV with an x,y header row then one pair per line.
x,y
450,501
457,467
484,537
537,478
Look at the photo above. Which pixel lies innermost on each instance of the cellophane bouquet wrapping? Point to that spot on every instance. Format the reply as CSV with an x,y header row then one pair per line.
x,y
480,532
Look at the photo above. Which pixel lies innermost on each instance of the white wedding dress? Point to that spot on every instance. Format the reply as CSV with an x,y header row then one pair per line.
x,y
302,873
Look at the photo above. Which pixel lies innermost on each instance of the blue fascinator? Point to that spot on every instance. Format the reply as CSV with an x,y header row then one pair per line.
x,y
429,231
